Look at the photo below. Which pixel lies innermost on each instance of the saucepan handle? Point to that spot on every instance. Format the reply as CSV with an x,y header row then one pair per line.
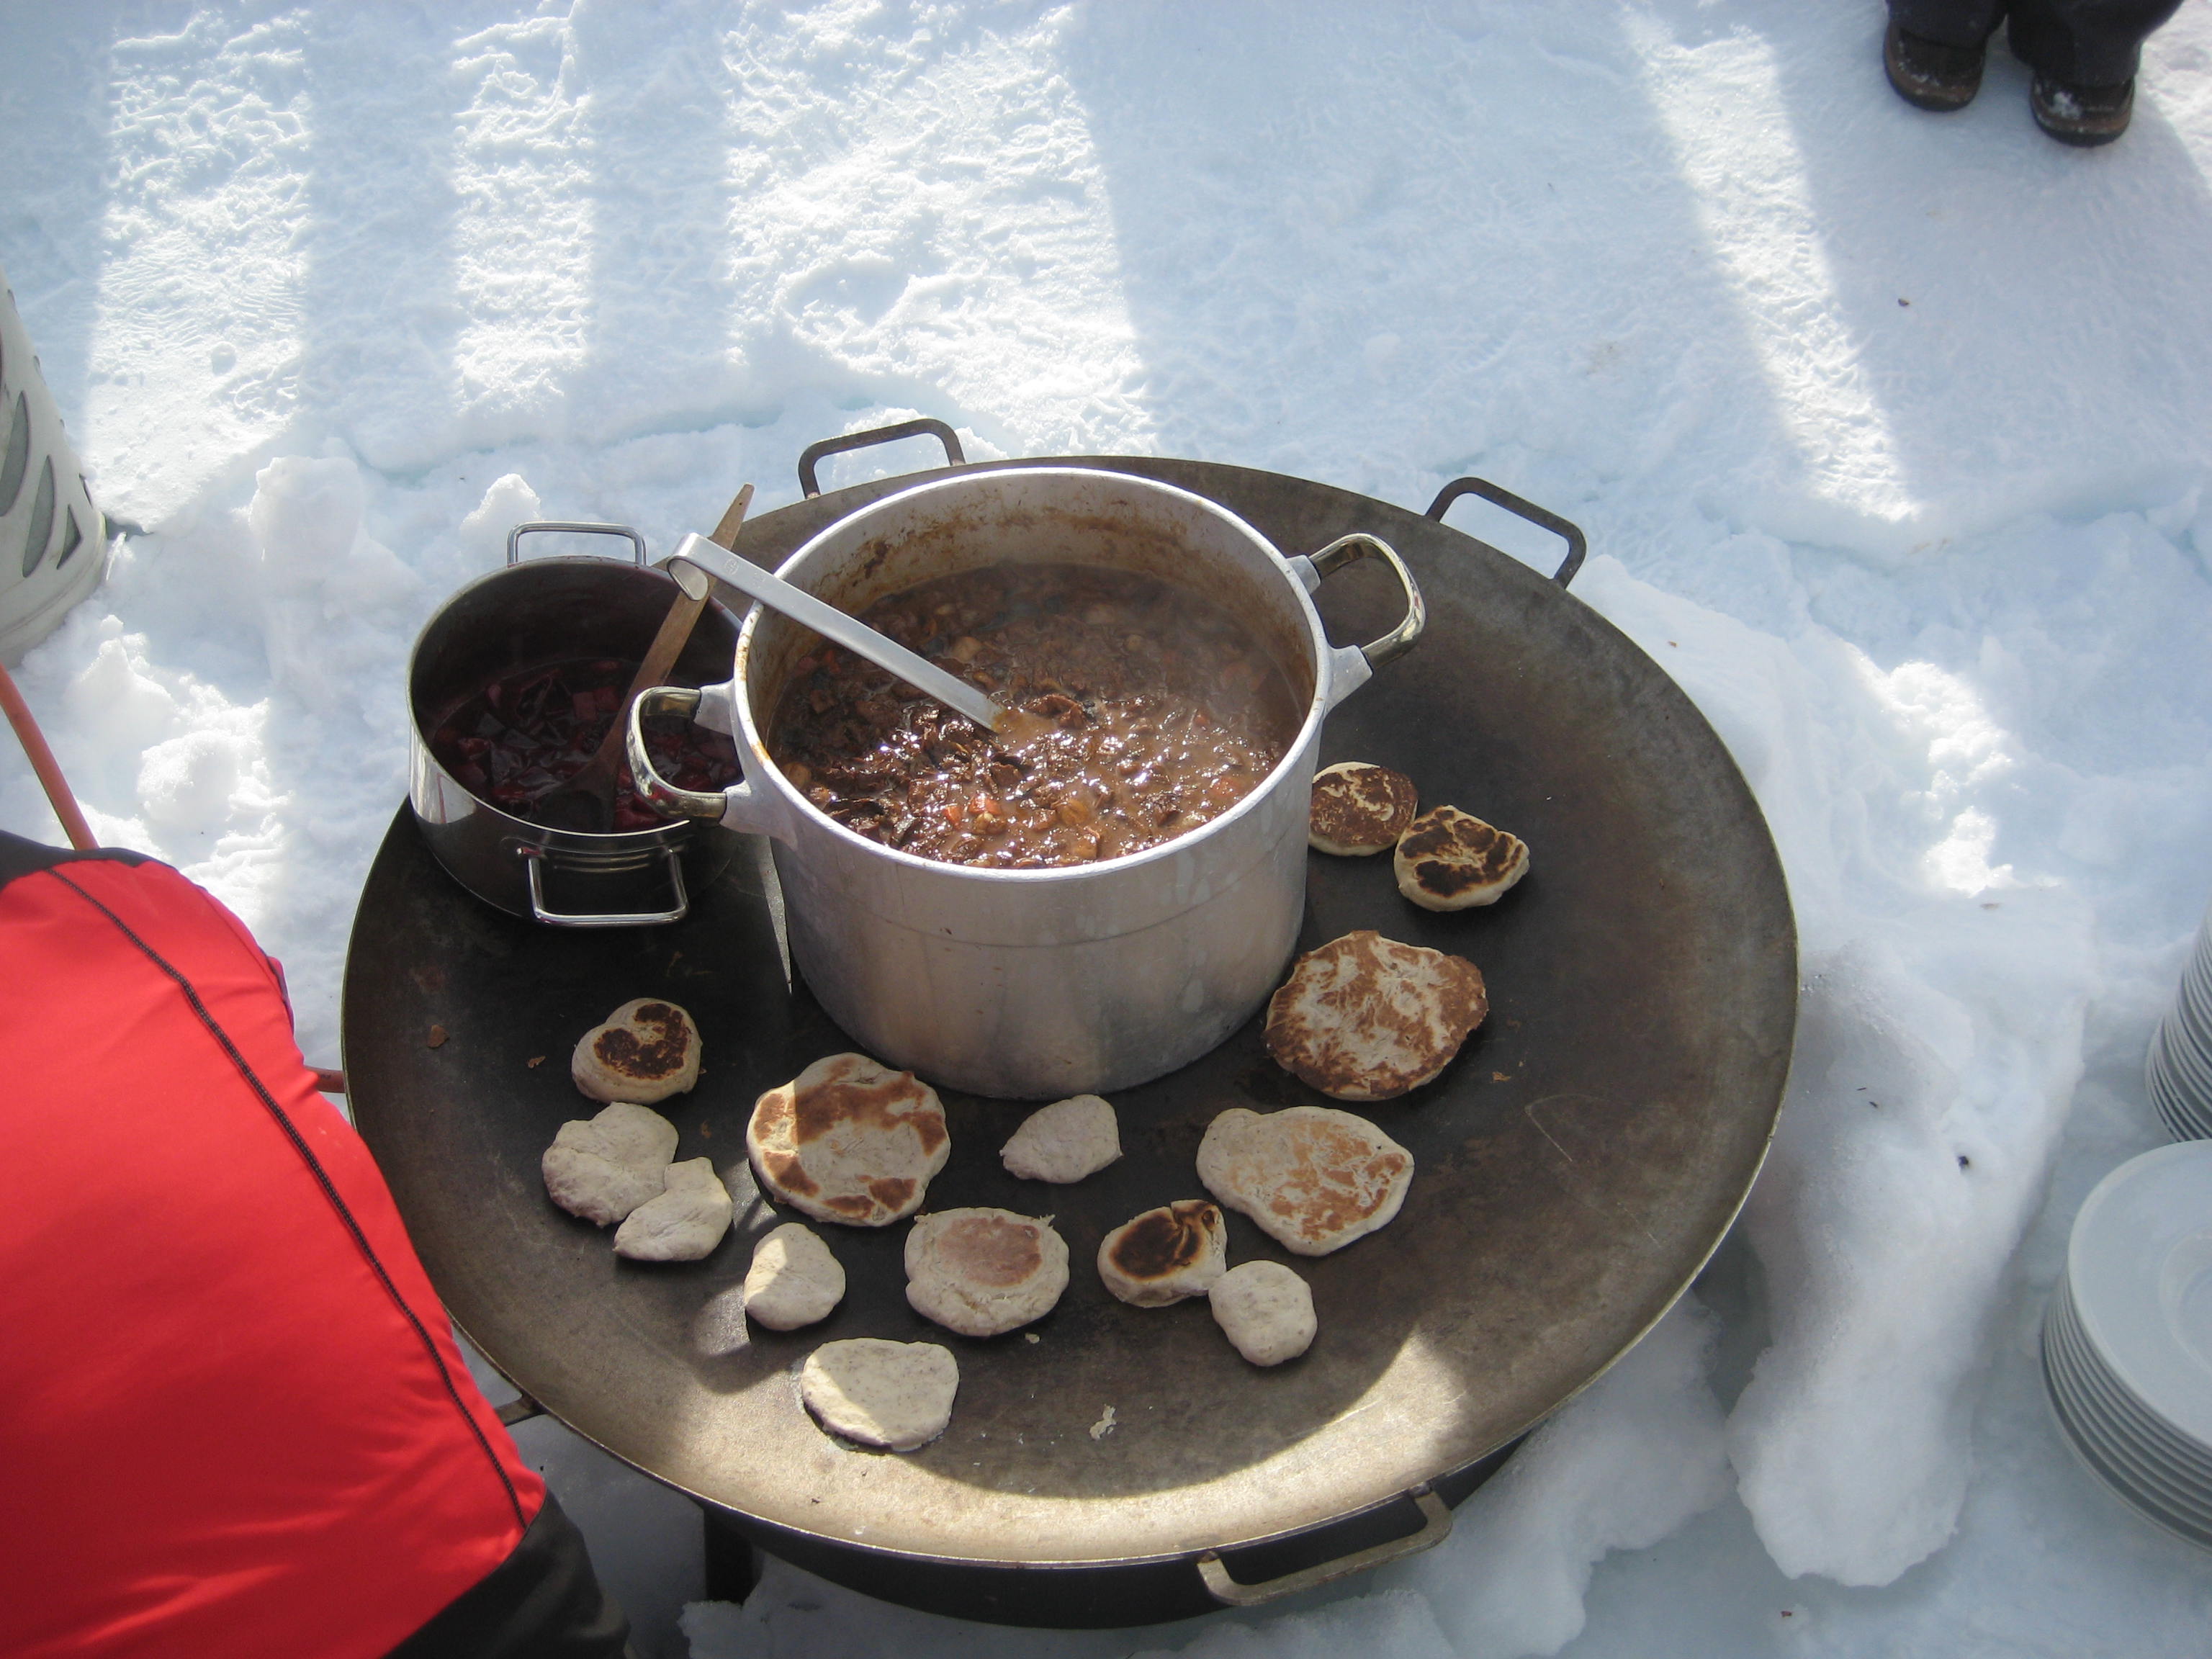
x,y
1543,518
515,536
924,428
534,859
1436,1527
741,806
1351,666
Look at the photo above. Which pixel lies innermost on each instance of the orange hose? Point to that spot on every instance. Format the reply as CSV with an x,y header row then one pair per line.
x,y
43,763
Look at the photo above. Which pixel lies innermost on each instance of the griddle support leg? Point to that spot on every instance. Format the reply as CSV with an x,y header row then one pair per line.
x,y
733,1566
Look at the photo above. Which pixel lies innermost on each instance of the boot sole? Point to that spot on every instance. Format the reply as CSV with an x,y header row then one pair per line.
x,y
1937,97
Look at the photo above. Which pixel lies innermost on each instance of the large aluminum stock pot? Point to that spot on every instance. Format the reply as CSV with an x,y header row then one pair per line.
x,y
537,611
1033,984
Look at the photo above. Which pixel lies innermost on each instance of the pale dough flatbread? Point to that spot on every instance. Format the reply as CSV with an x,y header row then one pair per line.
x,y
1365,1018
1452,860
896,1395
648,1050
1313,1178
849,1140
793,1280
1359,809
602,1167
1266,1310
684,1222
1166,1255
979,1271
1065,1141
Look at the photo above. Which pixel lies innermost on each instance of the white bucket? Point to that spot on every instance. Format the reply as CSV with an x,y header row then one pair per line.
x,y
53,541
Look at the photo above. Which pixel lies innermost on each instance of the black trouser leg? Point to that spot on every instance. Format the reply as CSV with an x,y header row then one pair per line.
x,y
543,1602
1966,23
2085,43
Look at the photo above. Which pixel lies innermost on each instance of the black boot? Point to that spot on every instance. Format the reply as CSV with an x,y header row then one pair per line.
x,y
2082,115
1929,75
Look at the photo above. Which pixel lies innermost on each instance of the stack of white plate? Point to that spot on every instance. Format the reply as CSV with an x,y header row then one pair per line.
x,y
2127,1341
2179,1068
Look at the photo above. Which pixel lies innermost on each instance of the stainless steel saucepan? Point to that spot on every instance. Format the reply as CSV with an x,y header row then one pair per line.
x,y
541,610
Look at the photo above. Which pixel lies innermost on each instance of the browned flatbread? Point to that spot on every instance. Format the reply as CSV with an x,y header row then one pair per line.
x,y
648,1050
849,1140
1452,860
1360,808
1312,1177
1365,1018
979,1271
1166,1255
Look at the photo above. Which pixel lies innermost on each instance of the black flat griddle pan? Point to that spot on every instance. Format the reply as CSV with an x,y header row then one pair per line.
x,y
1575,1164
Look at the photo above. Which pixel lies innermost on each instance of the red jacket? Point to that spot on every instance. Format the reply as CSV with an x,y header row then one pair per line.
x,y
233,1417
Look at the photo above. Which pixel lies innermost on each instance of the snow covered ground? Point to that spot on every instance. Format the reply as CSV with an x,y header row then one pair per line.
x,y
1891,434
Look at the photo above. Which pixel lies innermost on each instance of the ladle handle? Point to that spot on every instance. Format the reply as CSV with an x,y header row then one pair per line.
x,y
836,626
1436,1527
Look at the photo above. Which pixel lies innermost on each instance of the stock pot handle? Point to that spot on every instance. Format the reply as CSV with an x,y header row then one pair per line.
x,y
1436,1527
1351,666
515,536
1543,518
925,427
741,806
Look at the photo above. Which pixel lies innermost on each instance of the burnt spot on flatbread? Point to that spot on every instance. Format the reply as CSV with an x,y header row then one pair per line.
x,y
989,1249
787,1171
892,1192
1360,807
1166,1240
898,1102
1450,857
659,1052
1365,1018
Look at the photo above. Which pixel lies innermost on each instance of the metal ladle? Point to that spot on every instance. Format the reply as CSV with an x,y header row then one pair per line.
x,y
855,635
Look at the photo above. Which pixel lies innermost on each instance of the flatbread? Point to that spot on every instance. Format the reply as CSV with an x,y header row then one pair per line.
x,y
979,1271
1166,1255
603,1167
648,1050
896,1395
1312,1177
1065,1141
848,1140
1365,1018
1452,860
1266,1310
1360,808
793,1280
685,1223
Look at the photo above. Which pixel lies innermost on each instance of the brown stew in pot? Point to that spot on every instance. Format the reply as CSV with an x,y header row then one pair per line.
x,y
1160,712
528,733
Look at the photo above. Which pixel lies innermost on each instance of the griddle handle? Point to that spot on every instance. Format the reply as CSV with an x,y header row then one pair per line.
x,y
521,1409
1543,518
1436,1527
925,426
550,525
